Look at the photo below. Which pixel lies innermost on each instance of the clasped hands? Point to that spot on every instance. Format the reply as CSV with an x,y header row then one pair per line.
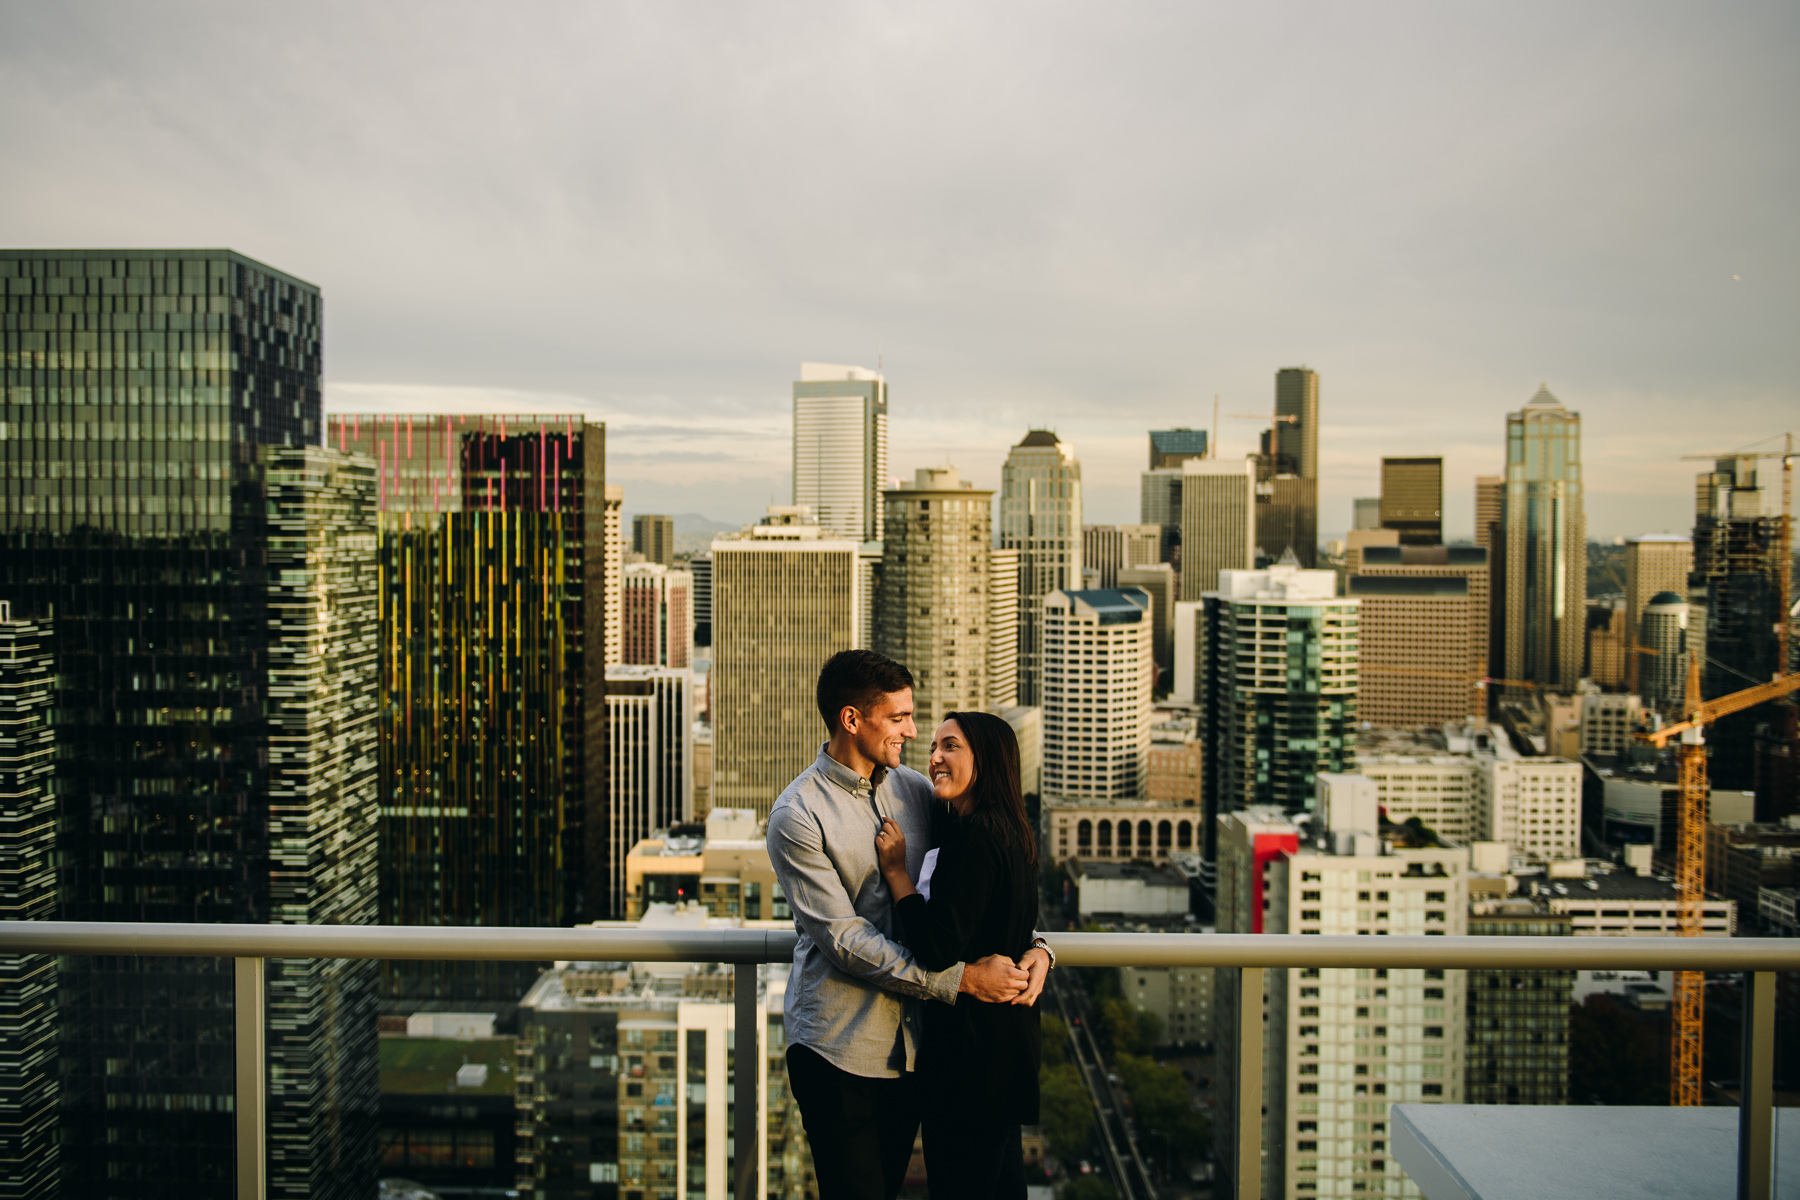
x,y
996,979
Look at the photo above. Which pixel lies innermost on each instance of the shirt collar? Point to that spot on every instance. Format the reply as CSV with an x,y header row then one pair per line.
x,y
847,779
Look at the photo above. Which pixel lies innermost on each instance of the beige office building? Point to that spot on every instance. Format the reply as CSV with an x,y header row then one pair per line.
x,y
613,529
720,863
1028,727
932,611
1412,499
1040,517
1608,720
653,536
1003,629
1531,804
1356,543
1097,678
1606,650
1438,789
785,599
1218,521
1109,549
1174,771
1424,633
1654,563
1490,501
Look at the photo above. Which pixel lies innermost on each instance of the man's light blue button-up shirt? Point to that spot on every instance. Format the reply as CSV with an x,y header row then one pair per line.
x,y
847,996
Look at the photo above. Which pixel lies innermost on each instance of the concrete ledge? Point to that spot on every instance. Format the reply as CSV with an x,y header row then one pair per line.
x,y
1530,1152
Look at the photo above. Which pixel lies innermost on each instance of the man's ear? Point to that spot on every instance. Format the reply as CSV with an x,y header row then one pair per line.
x,y
849,718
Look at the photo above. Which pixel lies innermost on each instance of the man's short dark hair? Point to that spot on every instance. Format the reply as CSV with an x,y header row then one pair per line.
x,y
856,679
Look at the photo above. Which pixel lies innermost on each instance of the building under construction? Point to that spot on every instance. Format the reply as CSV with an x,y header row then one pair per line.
x,y
1735,611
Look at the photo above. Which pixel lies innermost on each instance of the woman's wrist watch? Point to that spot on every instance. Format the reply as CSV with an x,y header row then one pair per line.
x,y
1041,944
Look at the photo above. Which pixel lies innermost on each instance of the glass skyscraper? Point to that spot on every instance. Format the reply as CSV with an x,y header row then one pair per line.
x,y
210,579
28,1060
1545,552
493,681
1277,667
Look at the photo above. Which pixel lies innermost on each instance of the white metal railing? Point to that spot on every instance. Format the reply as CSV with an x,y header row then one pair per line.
x,y
251,945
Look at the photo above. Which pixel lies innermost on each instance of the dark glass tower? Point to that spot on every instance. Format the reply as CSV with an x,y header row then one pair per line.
x,y
211,581
28,1063
1287,477
493,682
1734,607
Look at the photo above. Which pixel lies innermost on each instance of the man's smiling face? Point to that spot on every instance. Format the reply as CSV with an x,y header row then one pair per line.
x,y
884,728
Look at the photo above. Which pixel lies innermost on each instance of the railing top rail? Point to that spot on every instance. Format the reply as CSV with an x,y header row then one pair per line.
x,y
481,944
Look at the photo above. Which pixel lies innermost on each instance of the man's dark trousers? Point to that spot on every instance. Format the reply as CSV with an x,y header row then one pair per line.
x,y
861,1130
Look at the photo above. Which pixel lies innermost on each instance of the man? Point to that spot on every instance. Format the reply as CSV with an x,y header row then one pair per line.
x,y
852,1037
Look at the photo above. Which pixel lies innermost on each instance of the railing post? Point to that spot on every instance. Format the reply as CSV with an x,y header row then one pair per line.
x,y
746,1073
252,1079
1757,1087
1250,1083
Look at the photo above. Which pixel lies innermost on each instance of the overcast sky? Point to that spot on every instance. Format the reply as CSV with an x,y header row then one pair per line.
x,y
1089,217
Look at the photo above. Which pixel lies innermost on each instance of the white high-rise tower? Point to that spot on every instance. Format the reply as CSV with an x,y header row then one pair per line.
x,y
840,448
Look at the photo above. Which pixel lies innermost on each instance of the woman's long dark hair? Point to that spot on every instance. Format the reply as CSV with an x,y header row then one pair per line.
x,y
998,800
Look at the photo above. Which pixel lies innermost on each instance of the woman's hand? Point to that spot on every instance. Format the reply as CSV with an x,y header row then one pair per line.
x,y
890,855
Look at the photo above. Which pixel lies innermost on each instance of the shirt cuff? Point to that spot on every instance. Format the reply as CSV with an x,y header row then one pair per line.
x,y
946,983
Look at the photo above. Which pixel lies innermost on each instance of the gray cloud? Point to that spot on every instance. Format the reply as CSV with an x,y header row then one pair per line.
x,y
1089,217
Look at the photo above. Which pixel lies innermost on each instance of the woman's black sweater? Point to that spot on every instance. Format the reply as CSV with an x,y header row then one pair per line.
x,y
977,1058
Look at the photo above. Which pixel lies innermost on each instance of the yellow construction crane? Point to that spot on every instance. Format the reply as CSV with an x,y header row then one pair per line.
x,y
1690,823
1690,856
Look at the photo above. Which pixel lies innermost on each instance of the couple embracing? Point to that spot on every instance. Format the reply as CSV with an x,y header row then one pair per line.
x,y
911,1001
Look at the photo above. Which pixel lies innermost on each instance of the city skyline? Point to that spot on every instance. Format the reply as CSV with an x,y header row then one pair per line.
x,y
308,617
1470,243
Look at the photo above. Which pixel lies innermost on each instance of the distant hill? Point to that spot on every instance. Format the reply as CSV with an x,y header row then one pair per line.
x,y
695,523
695,533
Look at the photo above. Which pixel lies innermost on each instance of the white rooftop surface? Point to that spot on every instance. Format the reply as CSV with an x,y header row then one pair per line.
x,y
1529,1152
1280,583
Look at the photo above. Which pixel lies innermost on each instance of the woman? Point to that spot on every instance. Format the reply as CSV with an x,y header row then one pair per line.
x,y
978,1062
